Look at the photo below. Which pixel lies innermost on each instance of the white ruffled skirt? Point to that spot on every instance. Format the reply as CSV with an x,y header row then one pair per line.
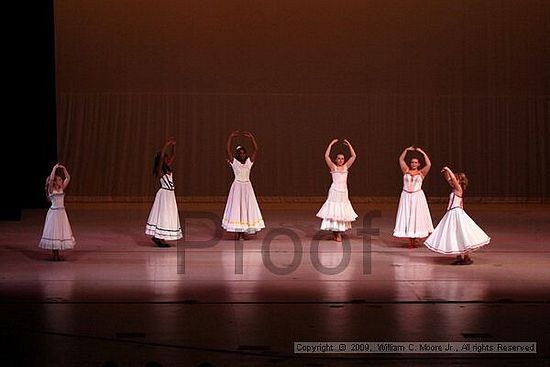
x,y
57,233
337,212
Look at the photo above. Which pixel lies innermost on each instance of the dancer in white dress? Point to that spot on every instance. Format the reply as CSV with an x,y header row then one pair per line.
x,y
337,212
413,218
164,221
57,234
457,233
242,213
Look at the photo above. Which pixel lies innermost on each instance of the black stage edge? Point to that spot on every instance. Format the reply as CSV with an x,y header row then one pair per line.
x,y
30,149
41,113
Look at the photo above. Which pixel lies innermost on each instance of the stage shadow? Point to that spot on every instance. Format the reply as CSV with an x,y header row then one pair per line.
x,y
441,260
391,242
43,255
147,242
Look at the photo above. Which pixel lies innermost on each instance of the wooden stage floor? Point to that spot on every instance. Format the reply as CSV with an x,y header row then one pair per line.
x,y
210,300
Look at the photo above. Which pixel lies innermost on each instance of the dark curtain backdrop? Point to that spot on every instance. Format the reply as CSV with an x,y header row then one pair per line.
x,y
466,80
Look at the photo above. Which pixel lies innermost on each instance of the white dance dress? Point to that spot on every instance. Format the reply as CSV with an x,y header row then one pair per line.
x,y
57,234
164,220
337,212
242,213
456,233
413,214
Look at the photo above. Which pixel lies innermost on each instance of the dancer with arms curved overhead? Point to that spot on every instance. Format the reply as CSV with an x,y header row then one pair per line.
x,y
57,234
242,212
163,223
457,233
413,218
337,212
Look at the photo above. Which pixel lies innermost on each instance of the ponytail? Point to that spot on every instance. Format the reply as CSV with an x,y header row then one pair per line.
x,y
156,163
46,188
462,180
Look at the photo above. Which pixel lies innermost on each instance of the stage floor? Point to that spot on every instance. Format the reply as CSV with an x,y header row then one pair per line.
x,y
211,299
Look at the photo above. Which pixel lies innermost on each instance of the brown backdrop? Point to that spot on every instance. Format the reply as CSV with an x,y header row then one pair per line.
x,y
466,80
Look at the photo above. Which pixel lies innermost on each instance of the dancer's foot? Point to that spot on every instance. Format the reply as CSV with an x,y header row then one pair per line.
x,y
459,261
159,242
467,260
56,256
337,237
412,243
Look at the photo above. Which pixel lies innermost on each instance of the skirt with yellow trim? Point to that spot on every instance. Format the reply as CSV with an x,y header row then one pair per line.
x,y
242,213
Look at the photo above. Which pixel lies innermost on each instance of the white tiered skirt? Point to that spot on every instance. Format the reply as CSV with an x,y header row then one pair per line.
x,y
337,212
57,233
